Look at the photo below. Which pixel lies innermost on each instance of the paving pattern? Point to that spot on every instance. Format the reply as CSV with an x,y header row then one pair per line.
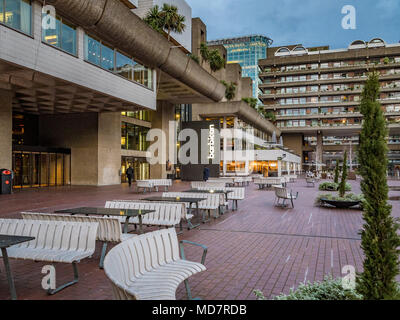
x,y
260,246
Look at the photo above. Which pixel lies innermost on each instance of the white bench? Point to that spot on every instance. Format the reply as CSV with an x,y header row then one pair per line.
x,y
310,182
65,242
109,227
213,201
165,214
226,180
145,185
161,183
285,194
237,194
268,182
149,267
198,184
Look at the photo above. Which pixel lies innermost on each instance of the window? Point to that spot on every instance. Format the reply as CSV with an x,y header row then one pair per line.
x,y
110,59
63,36
134,137
17,14
124,66
107,57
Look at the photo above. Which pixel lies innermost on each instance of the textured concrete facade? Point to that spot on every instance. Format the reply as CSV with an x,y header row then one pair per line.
x,y
95,143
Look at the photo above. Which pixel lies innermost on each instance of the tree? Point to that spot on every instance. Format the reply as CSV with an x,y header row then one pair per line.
x,y
204,52
342,185
379,239
172,20
230,90
216,61
154,20
252,102
167,19
337,172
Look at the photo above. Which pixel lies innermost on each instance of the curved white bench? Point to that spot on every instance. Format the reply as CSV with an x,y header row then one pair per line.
x,y
148,267
55,241
285,194
109,230
165,214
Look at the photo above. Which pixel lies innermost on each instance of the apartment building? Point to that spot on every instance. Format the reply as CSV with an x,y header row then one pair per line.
x,y
315,95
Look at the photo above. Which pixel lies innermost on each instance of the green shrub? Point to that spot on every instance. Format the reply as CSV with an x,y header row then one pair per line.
x,y
330,196
332,186
328,289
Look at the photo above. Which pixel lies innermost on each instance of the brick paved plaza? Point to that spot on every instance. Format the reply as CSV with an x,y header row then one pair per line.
x,y
257,247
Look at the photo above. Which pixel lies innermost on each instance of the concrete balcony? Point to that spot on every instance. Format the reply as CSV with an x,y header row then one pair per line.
x,y
327,104
271,85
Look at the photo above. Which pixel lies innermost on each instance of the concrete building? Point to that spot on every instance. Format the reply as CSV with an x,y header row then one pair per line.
x,y
263,156
68,90
246,51
315,94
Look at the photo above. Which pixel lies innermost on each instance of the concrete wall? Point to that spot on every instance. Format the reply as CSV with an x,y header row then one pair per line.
x,y
5,130
161,118
185,39
294,142
109,148
79,132
95,143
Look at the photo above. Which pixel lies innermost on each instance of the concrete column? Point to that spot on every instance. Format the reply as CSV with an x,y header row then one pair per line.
x,y
225,145
279,168
109,148
5,129
319,149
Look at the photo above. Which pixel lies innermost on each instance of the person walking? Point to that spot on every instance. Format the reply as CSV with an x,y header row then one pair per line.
x,y
206,174
129,175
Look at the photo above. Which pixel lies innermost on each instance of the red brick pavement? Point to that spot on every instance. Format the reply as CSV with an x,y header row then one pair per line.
x,y
259,246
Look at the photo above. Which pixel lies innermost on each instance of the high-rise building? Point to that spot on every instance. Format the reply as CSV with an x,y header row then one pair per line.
x,y
315,94
246,51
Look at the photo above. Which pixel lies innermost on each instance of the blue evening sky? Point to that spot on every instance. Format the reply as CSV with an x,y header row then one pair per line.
x,y
310,22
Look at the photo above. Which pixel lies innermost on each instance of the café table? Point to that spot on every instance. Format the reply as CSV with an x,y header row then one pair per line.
x,y
7,241
128,213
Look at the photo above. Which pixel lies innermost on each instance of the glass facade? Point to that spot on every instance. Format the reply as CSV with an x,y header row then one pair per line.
x,y
62,37
41,169
144,115
141,168
17,14
247,51
133,137
110,59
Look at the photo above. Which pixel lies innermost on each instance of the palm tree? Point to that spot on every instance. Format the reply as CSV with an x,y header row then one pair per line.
x,y
172,21
153,19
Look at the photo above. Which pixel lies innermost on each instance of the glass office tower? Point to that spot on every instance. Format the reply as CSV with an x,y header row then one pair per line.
x,y
246,51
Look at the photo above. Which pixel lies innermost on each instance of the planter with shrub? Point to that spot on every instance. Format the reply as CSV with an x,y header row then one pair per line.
x,y
328,289
349,200
332,186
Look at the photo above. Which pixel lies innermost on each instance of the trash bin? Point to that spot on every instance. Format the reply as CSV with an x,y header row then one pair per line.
x,y
5,181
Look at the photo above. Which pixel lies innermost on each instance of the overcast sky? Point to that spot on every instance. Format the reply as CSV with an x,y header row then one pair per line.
x,y
310,22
